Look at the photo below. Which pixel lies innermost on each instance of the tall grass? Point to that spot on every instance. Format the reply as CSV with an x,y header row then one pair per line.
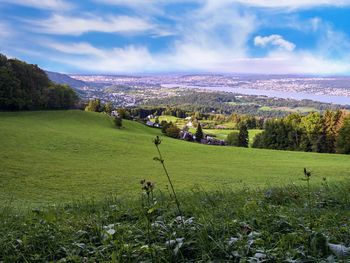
x,y
236,226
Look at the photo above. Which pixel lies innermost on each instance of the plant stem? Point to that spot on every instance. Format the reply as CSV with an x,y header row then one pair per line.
x,y
169,180
309,201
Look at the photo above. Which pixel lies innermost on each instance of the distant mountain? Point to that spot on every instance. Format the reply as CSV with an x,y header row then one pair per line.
x,y
65,79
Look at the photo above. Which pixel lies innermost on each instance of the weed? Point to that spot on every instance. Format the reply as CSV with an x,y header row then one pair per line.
x,y
157,141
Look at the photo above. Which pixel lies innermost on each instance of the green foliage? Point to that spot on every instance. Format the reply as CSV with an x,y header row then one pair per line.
x,y
219,226
172,131
27,87
199,133
118,122
123,113
243,136
313,132
94,105
165,125
156,121
108,108
61,97
343,140
232,139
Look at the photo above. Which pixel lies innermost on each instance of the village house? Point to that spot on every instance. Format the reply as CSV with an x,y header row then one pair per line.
x,y
187,136
115,113
150,123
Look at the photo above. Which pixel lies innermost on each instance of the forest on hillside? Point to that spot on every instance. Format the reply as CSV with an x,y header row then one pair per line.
x,y
27,87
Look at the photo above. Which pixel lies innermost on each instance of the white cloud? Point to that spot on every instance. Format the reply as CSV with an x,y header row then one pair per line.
x,y
207,40
41,4
212,37
138,59
127,59
69,25
302,62
81,48
288,4
274,40
333,43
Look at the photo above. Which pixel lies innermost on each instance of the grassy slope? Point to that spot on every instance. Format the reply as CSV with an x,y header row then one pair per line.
x,y
58,156
222,134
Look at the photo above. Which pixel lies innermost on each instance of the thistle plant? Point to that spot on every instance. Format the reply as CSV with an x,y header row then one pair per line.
x,y
147,188
157,141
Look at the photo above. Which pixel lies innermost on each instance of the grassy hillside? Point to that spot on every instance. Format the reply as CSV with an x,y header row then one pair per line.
x,y
60,156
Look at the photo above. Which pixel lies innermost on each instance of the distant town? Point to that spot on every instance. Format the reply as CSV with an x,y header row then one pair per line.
x,y
126,91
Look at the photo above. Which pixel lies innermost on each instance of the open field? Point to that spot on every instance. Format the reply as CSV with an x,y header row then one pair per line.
x,y
60,156
289,109
219,133
222,133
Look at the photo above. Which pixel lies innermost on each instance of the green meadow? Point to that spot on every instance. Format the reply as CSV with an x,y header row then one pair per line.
x,y
60,156
70,192
218,133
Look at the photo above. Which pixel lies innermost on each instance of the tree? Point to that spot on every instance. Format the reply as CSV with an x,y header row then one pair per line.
x,y
61,97
27,87
94,105
108,108
243,136
232,139
343,140
123,113
199,133
118,122
314,128
165,125
173,131
258,141
156,120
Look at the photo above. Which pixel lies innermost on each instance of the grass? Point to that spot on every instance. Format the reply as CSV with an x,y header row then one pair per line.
x,y
218,226
222,133
168,118
61,156
289,109
55,157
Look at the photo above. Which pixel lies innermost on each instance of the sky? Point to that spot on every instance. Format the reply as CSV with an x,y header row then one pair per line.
x,y
179,36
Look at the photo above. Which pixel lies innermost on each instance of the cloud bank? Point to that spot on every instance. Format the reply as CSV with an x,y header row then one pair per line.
x,y
145,36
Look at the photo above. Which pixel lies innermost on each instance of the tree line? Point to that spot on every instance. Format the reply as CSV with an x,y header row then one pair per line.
x,y
252,122
27,87
228,103
324,133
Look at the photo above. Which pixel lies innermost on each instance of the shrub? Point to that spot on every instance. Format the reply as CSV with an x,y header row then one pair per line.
x,y
232,139
118,122
343,140
94,105
199,133
173,131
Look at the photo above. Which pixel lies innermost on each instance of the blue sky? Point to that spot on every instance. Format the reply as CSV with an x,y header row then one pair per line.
x,y
164,36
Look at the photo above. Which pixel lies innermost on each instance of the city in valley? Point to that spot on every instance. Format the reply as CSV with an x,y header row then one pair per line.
x,y
129,91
